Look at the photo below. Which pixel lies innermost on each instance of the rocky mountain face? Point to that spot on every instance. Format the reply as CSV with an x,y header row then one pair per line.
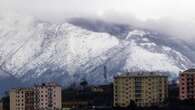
x,y
33,51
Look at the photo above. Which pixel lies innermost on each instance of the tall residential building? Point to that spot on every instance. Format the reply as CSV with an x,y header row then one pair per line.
x,y
187,84
49,96
40,97
22,99
141,88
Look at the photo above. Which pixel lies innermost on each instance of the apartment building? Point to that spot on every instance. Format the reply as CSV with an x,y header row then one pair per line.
x,y
40,97
1,105
49,96
187,84
142,88
21,99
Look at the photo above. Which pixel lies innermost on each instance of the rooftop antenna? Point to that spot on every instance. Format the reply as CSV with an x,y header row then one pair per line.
x,y
105,74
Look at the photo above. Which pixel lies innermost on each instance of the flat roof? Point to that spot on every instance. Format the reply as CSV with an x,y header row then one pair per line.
x,y
142,74
190,70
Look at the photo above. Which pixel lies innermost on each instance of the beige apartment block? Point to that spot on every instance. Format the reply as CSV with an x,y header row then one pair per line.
x,y
40,97
142,88
49,96
21,99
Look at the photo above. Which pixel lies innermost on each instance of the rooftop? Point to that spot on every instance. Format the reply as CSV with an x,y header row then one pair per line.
x,y
49,84
190,70
21,89
143,74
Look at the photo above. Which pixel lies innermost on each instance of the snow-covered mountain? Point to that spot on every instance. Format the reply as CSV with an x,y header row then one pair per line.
x,y
33,51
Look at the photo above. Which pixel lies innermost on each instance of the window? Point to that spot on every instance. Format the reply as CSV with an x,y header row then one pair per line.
x,y
137,95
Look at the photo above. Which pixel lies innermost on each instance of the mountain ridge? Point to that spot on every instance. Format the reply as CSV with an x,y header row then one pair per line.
x,y
34,51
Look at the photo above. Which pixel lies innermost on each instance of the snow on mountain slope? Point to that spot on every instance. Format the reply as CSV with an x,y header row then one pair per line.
x,y
146,60
36,51
64,46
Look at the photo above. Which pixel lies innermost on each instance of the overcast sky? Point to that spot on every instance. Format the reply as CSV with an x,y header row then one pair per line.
x,y
143,9
178,15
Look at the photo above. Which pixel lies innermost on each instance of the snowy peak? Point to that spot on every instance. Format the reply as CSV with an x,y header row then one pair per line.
x,y
32,50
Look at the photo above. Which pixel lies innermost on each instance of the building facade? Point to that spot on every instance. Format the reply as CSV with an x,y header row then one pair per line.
x,y
1,105
75,104
21,99
49,96
143,89
40,97
187,84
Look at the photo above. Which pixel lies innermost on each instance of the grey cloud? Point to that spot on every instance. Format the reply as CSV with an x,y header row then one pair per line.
x,y
59,10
